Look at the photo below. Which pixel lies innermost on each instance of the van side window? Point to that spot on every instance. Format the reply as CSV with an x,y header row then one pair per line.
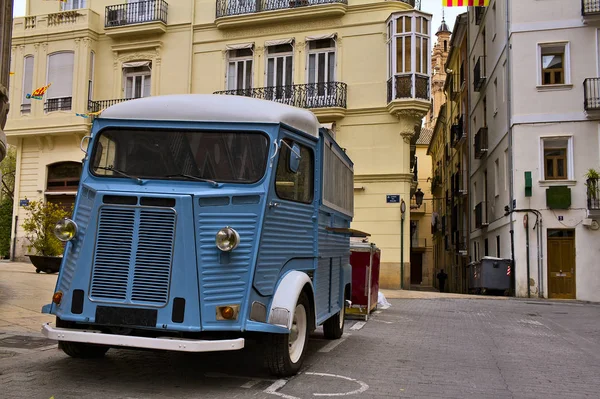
x,y
297,186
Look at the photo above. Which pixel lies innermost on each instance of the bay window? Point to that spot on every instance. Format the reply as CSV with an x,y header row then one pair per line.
x,y
408,56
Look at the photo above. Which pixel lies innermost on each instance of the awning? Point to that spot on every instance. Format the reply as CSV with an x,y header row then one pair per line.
x,y
239,46
136,64
278,42
345,230
321,37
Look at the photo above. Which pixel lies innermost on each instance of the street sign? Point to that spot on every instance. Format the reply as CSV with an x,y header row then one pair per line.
x,y
392,199
23,202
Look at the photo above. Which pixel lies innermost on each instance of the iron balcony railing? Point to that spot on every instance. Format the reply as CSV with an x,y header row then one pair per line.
x,y
481,142
310,95
593,194
418,242
58,104
589,7
481,215
591,92
459,183
226,8
408,86
479,76
460,241
95,106
136,13
457,132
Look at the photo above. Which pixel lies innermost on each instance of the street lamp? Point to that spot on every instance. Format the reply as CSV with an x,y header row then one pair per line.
x,y
419,197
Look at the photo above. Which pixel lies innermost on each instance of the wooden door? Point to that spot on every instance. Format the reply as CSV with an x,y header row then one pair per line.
x,y
561,264
416,268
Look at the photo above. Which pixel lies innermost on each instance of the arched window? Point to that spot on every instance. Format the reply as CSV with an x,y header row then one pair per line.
x,y
445,45
63,176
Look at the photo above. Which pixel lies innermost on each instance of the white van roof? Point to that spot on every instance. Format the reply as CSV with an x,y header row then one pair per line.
x,y
213,108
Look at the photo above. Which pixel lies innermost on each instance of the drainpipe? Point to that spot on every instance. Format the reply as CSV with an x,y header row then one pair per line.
x,y
512,262
527,247
510,132
15,238
191,51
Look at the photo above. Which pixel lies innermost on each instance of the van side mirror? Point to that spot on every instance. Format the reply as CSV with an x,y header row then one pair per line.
x,y
295,158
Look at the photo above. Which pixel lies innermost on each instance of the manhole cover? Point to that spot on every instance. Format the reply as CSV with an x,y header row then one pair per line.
x,y
24,342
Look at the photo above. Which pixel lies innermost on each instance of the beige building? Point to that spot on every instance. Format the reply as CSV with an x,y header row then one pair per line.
x,y
362,66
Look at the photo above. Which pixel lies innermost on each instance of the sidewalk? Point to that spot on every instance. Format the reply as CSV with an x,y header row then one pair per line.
x,y
23,292
414,294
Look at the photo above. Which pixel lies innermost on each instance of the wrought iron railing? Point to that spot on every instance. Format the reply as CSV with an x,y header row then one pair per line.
x,y
310,95
460,241
457,132
481,142
418,242
459,183
593,194
226,8
136,13
408,86
479,76
591,92
95,106
590,7
481,215
58,104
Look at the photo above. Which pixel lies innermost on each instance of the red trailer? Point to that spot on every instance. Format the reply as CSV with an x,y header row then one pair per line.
x,y
364,258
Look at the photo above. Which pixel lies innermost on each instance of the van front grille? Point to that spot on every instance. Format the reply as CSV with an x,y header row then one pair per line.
x,y
134,252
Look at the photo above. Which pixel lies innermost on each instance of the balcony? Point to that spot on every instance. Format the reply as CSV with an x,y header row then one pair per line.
x,y
95,106
590,11
235,13
414,208
481,143
327,100
459,183
457,133
460,242
418,244
59,22
481,215
591,93
479,13
479,76
593,198
142,17
58,104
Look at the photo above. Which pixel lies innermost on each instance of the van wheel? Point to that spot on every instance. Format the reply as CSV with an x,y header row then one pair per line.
x,y
82,351
79,350
285,352
333,328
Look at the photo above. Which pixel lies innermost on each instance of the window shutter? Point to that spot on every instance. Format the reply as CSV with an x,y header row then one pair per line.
x,y
147,86
27,79
60,74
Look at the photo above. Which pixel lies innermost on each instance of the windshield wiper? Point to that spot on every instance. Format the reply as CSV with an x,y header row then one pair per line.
x,y
214,183
117,171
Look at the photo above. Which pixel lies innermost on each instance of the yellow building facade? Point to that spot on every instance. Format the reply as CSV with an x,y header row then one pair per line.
x,y
361,66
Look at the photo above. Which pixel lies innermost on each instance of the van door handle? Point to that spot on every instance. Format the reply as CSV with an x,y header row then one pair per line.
x,y
273,204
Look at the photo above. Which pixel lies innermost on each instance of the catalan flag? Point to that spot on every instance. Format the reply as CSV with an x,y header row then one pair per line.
x,y
39,92
464,3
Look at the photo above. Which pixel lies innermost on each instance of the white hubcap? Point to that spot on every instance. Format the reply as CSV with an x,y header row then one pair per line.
x,y
297,337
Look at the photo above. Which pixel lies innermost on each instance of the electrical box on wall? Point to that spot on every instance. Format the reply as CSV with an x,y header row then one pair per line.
x,y
528,184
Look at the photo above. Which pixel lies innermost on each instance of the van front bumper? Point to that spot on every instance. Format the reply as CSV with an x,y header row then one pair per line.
x,y
164,343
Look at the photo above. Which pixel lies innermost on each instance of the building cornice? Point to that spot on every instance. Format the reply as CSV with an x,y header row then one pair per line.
x,y
384,178
44,38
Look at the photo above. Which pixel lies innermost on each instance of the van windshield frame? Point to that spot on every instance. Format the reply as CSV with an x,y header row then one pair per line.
x,y
224,156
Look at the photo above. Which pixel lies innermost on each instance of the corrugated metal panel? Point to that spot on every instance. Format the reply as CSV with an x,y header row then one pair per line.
x,y
287,232
321,286
338,182
225,283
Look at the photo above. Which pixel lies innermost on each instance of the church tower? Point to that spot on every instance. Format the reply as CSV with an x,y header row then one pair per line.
x,y
438,72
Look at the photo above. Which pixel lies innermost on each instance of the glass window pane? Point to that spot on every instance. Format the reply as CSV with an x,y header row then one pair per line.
x,y
418,22
407,55
288,71
400,25
399,52
129,87
278,72
408,24
297,186
248,74
321,67
271,72
425,27
331,64
240,75
425,52
418,57
231,76
549,168
312,68
147,86
560,168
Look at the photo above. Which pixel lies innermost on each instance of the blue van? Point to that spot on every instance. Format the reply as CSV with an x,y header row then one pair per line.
x,y
203,220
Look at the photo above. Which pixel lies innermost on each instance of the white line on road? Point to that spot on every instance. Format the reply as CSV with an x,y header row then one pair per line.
x,y
363,386
358,325
330,346
272,389
383,321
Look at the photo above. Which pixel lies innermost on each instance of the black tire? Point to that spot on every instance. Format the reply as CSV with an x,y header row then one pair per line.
x,y
37,270
277,347
80,350
333,328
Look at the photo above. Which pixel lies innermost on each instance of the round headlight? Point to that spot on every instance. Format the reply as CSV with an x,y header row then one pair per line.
x,y
227,239
65,229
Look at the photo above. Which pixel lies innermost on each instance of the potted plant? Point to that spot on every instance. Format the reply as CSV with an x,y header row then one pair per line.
x,y
39,231
593,183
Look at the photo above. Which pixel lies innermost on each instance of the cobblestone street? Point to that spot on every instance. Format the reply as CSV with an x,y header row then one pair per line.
x,y
436,346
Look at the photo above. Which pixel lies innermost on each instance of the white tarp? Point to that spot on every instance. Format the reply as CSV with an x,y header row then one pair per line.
x,y
239,46
321,37
278,42
136,64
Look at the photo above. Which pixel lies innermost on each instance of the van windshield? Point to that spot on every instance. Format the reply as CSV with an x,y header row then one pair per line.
x,y
221,156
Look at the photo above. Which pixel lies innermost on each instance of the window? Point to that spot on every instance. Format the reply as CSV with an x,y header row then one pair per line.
x,y
321,69
485,247
280,60
496,177
91,77
239,69
475,257
497,246
297,186
506,170
557,154
554,64
72,4
60,75
495,96
137,79
63,176
27,84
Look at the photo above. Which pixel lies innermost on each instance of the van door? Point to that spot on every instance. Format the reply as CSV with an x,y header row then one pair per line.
x,y
290,217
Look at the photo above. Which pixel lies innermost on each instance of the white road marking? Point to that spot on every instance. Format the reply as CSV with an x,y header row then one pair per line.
x,y
363,386
358,325
250,384
272,389
383,321
330,346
